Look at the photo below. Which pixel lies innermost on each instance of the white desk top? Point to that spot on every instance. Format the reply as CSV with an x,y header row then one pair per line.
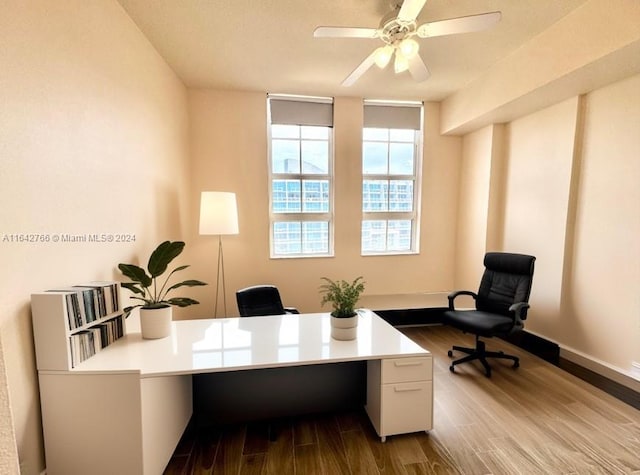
x,y
229,344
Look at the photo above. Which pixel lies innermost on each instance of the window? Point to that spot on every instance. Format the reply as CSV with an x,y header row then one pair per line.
x,y
301,176
391,163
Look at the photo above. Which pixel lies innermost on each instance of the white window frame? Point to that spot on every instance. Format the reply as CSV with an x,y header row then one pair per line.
x,y
414,215
302,217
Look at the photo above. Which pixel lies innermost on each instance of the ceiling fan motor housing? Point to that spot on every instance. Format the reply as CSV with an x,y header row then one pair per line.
x,y
393,30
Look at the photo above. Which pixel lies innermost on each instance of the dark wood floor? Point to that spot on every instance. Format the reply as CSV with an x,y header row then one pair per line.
x,y
536,419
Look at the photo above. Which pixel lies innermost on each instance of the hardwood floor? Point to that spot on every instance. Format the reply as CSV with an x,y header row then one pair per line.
x,y
536,419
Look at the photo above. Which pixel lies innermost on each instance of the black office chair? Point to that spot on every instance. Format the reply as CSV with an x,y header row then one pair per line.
x,y
261,300
501,306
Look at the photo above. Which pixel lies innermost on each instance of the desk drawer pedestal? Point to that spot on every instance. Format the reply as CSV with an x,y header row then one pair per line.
x,y
400,395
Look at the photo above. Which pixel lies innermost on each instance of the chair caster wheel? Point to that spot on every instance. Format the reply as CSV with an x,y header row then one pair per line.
x,y
452,369
450,353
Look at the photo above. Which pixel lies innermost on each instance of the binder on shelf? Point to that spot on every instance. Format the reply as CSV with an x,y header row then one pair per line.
x,y
75,306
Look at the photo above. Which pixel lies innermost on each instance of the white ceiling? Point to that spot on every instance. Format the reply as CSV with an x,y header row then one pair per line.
x,y
268,45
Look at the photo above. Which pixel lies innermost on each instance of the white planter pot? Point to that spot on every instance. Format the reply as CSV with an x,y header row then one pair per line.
x,y
344,328
155,322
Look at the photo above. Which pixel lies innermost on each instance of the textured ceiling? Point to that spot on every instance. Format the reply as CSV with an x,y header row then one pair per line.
x,y
268,45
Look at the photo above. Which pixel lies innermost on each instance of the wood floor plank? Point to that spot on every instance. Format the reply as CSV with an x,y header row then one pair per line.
x,y
307,459
257,437
204,451
520,457
348,421
332,450
280,454
439,459
385,458
229,454
463,455
252,464
304,431
358,452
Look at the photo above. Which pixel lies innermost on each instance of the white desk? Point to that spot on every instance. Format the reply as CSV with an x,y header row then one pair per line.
x,y
124,410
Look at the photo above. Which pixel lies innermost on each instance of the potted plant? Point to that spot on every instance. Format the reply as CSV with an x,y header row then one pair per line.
x,y
156,306
343,296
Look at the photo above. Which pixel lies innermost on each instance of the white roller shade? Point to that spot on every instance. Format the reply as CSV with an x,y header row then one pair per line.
x,y
392,117
301,112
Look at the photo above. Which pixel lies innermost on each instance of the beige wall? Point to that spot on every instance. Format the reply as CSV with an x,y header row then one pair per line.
x,y
473,207
602,299
229,144
93,139
537,185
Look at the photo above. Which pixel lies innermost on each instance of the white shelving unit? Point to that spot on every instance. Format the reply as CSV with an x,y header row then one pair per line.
x,y
72,324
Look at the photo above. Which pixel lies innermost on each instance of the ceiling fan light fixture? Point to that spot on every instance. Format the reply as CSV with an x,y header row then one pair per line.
x,y
409,47
383,56
401,63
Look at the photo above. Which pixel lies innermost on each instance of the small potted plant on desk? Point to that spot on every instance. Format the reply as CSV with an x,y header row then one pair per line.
x,y
156,309
343,296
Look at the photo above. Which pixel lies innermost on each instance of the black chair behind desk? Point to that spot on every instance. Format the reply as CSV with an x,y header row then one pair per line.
x,y
261,300
501,306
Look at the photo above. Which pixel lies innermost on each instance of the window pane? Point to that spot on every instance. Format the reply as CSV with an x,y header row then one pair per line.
x,y
401,158
315,237
287,238
401,195
399,235
375,195
315,157
374,158
309,132
285,156
315,196
286,196
369,133
285,131
374,236
402,135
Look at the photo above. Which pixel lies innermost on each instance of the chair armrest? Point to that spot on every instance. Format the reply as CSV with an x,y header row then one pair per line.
x,y
519,310
452,296
291,310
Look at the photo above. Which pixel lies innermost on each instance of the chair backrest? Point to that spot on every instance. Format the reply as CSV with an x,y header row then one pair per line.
x,y
506,280
259,300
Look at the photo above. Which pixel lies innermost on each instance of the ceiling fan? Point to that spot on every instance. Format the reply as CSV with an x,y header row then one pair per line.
x,y
397,31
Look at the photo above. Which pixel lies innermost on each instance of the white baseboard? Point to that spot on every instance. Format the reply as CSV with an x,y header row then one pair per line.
x,y
630,379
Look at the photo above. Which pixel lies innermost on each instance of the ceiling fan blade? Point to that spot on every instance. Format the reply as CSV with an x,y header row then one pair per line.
x,y
465,24
418,69
344,32
410,9
360,70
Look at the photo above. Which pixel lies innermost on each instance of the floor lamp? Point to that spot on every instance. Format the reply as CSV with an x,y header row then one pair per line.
x,y
219,216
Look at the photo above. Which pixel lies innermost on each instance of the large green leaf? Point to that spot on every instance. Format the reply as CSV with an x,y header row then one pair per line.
x,y
187,283
135,273
133,287
182,301
162,256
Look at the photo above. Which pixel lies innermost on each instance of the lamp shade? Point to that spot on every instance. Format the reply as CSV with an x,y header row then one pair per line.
x,y
218,213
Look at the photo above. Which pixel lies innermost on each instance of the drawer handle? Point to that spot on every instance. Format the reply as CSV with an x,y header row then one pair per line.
x,y
405,390
408,363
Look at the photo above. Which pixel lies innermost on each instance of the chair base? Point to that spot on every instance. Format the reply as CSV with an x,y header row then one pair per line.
x,y
481,354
